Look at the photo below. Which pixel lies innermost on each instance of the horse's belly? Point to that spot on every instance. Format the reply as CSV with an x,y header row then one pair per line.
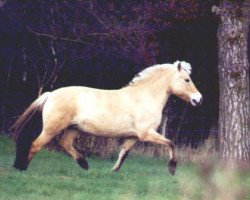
x,y
114,119
118,127
107,128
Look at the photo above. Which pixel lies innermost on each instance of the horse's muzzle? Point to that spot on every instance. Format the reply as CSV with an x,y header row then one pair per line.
x,y
196,99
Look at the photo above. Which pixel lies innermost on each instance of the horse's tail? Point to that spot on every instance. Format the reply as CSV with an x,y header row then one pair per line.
x,y
37,105
25,133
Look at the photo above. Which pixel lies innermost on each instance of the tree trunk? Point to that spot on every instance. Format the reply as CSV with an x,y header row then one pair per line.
x,y
234,115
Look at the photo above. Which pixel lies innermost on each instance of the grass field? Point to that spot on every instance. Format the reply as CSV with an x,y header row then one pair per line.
x,y
54,175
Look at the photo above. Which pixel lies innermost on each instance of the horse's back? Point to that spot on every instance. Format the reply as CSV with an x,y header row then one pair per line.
x,y
81,105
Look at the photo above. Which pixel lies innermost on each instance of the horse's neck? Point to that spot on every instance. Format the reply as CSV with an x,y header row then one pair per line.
x,y
155,87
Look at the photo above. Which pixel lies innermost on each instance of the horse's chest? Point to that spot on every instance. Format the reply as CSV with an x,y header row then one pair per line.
x,y
148,119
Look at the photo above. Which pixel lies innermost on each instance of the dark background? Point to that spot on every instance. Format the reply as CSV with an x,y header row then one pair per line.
x,y
109,60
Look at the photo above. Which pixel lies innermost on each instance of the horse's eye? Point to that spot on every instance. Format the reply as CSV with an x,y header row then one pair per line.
x,y
187,80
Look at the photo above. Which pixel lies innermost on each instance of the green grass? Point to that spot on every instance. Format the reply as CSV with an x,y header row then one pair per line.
x,y
53,175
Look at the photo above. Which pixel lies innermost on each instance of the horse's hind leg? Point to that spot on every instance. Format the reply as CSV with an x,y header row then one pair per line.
x,y
42,140
126,146
67,143
154,137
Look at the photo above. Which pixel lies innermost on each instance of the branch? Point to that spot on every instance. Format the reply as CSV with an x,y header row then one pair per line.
x,y
78,40
41,34
95,15
110,28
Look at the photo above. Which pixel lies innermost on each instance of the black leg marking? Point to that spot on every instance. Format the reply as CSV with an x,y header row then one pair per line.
x,y
21,165
83,163
172,166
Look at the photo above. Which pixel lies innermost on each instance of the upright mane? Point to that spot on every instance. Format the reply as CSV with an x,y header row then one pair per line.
x,y
158,67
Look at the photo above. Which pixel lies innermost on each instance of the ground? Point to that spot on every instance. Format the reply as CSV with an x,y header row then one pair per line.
x,y
54,175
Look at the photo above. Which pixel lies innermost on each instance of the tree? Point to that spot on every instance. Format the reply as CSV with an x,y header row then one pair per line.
x,y
234,114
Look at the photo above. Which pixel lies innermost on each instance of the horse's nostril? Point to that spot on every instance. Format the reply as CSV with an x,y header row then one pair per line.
x,y
195,101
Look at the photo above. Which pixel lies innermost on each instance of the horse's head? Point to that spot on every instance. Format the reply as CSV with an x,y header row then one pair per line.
x,y
182,85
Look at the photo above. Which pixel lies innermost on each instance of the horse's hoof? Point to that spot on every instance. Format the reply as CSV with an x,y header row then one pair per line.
x,y
172,167
83,163
21,166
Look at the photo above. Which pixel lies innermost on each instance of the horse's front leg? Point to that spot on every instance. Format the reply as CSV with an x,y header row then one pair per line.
x,y
154,137
126,146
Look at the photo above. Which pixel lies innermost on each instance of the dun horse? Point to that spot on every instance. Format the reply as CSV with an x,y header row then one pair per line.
x,y
133,112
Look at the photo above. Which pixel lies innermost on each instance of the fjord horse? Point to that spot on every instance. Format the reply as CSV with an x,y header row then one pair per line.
x,y
133,112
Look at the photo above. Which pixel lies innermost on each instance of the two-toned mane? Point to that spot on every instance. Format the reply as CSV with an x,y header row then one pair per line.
x,y
133,112
160,67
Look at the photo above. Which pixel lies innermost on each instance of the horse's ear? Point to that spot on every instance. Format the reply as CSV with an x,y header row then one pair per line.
x,y
179,66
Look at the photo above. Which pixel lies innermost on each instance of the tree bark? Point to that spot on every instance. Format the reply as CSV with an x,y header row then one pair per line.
x,y
234,115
